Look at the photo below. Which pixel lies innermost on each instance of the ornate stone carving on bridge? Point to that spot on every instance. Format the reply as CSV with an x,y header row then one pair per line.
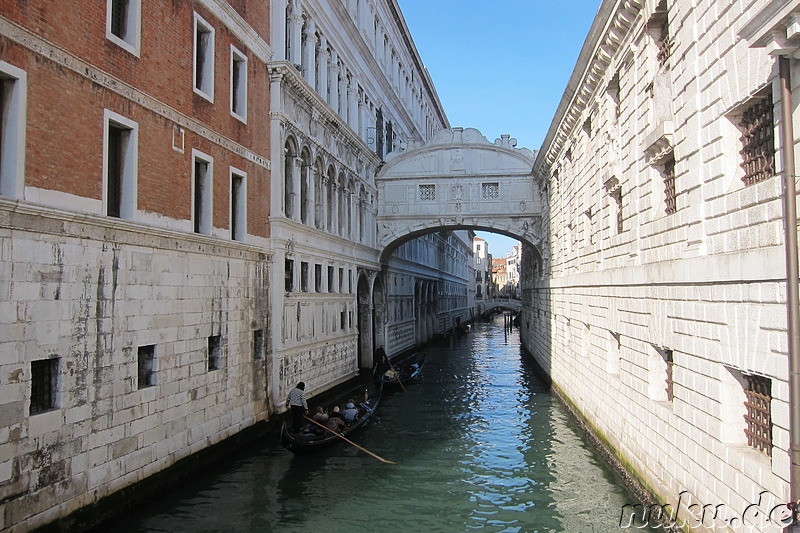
x,y
459,180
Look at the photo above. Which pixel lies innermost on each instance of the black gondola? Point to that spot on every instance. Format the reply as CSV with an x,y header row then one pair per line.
x,y
311,438
404,372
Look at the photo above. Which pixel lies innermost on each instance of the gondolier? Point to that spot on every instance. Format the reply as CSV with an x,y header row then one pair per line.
x,y
296,401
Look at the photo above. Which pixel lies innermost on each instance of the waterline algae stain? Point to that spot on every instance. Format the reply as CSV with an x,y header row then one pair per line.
x,y
480,444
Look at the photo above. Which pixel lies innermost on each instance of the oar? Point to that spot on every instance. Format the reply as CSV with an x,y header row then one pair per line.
x,y
396,373
351,442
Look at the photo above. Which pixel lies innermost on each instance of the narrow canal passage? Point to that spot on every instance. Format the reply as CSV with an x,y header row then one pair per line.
x,y
479,443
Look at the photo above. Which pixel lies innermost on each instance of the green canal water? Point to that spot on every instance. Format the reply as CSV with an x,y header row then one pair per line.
x,y
479,442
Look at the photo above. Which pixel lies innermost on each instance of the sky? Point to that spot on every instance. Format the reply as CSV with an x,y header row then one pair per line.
x,y
500,67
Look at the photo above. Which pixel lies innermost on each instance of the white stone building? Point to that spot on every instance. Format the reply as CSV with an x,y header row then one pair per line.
x,y
659,311
347,88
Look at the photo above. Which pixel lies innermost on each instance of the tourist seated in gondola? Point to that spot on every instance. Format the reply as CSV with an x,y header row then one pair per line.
x,y
320,415
350,412
335,420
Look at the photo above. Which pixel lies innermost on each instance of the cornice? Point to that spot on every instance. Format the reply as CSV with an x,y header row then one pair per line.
x,y
611,25
776,27
65,59
239,27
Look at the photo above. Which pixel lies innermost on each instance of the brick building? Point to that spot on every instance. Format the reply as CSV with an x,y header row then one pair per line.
x,y
134,199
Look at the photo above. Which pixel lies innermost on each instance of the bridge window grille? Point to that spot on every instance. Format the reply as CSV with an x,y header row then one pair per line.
x,y
490,191
427,193
758,397
758,145
671,206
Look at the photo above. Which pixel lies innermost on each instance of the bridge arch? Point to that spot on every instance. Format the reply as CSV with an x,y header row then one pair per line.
x,y
459,180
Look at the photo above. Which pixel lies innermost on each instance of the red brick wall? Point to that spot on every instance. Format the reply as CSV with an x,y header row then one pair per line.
x,y
65,109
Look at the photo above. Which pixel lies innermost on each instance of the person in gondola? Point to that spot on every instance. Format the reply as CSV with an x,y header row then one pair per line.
x,y
350,412
381,363
296,401
335,421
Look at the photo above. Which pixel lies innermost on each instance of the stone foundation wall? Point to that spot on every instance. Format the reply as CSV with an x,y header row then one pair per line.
x,y
89,293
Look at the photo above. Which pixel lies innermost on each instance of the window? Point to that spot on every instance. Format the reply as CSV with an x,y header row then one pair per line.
x,y
669,389
13,103
288,273
758,144
303,276
238,205
44,385
203,58
317,278
668,173
214,352
238,84
123,23
146,362
490,191
342,318
121,166
258,344
758,394
427,193
330,279
341,280
658,28
201,195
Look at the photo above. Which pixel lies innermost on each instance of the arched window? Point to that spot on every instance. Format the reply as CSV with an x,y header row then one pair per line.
x,y
319,196
288,179
342,190
331,199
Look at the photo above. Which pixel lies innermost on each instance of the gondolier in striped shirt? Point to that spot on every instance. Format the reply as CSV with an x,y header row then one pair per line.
x,y
296,401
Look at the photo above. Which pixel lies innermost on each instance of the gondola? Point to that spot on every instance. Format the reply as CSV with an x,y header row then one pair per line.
x,y
404,372
312,437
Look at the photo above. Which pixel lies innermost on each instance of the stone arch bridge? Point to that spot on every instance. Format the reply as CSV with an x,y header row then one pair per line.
x,y
458,180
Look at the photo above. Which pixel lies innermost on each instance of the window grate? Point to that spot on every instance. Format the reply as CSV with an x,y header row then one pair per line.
x,y
427,193
664,45
758,144
669,186
670,388
490,191
759,416
44,381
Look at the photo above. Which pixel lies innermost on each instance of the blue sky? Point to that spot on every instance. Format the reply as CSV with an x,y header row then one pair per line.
x,y
500,67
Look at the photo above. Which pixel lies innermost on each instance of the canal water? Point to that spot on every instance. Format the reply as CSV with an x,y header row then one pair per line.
x,y
479,442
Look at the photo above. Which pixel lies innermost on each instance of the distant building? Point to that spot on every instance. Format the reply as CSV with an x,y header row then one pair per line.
x,y
499,276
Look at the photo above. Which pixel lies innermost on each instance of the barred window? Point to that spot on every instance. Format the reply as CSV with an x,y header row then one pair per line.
x,y
667,354
658,27
258,344
671,206
146,363
490,191
759,415
44,385
427,193
616,196
214,352
758,144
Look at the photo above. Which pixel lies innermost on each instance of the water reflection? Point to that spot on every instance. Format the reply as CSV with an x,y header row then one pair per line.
x,y
479,442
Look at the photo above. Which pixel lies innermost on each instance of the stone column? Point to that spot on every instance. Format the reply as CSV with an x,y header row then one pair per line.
x,y
278,28
341,104
322,68
333,100
362,113
309,63
295,33
352,106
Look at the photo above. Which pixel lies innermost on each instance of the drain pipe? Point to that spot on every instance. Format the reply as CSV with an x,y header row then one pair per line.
x,y
792,284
